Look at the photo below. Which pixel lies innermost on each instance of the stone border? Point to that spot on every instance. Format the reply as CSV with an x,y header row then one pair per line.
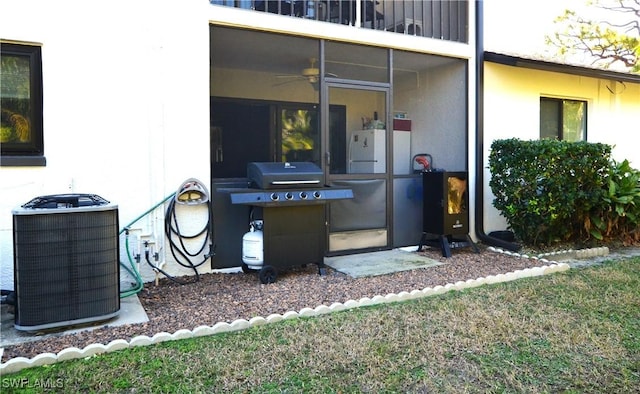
x,y
18,363
577,254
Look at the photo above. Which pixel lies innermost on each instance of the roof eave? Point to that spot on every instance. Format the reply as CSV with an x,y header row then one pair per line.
x,y
543,65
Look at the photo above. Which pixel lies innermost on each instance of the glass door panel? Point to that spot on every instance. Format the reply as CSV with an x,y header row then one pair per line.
x,y
360,148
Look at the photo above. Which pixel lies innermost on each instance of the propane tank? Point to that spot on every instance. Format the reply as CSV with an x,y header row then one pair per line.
x,y
252,246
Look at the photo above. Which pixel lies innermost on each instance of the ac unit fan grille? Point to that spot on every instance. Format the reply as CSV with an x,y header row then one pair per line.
x,y
66,267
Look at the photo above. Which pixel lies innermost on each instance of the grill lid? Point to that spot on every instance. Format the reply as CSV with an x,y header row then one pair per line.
x,y
273,175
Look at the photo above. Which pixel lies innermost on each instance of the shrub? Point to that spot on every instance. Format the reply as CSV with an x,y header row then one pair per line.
x,y
618,216
547,189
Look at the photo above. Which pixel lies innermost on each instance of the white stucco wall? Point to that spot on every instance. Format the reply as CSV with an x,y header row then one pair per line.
x,y
126,103
512,109
126,88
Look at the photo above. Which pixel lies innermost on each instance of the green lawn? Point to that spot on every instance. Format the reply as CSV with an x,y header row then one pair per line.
x,y
576,332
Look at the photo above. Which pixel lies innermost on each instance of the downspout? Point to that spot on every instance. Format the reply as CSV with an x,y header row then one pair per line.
x,y
479,211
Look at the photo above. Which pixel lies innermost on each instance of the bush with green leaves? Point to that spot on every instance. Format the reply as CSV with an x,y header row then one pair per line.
x,y
547,189
618,217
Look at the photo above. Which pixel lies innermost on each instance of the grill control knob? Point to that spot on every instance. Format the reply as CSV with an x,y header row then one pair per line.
x,y
274,197
303,195
316,195
288,195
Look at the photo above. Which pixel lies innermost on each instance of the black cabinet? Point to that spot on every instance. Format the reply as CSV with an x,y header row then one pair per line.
x,y
294,236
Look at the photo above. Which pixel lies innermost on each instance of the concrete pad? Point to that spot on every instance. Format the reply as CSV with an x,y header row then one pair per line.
x,y
379,263
131,312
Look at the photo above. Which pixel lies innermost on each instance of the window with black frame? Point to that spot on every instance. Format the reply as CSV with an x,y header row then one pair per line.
x,y
563,119
21,105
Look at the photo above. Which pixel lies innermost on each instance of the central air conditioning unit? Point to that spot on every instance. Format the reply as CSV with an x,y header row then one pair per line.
x,y
408,26
66,261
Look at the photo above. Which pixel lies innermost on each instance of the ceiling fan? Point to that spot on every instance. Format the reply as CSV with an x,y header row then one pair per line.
x,y
311,74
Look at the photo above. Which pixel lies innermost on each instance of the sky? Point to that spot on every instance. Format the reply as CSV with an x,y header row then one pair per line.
x,y
519,26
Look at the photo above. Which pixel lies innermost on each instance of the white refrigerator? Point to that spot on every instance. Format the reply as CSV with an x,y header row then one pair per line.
x,y
367,151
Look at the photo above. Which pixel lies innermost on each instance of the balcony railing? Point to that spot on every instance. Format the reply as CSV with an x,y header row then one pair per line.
x,y
441,19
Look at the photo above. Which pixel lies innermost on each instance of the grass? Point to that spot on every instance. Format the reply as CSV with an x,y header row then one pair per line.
x,y
571,332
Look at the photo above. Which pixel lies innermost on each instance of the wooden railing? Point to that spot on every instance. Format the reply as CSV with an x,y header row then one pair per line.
x,y
441,19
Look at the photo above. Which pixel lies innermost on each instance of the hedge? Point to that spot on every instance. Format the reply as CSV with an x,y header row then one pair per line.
x,y
547,189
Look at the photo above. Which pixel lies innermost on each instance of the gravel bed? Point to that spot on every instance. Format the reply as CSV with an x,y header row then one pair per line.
x,y
220,297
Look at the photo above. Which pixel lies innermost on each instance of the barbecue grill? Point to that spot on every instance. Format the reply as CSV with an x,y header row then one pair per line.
x,y
292,197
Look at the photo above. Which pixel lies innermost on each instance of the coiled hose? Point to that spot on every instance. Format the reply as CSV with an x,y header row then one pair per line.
x,y
179,251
